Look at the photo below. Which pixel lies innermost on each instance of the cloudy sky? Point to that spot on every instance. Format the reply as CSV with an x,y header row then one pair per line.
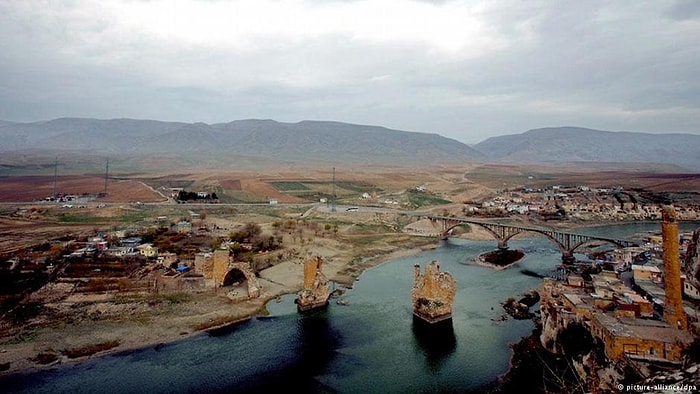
x,y
464,69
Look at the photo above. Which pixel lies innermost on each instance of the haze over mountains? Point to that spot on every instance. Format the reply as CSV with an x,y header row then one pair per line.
x,y
574,144
342,142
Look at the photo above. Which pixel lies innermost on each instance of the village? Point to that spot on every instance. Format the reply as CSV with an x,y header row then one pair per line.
x,y
619,295
580,203
638,309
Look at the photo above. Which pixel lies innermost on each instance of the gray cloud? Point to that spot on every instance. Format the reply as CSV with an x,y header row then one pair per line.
x,y
684,10
464,71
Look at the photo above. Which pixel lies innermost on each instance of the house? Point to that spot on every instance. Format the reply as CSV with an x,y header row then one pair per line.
x,y
120,251
647,272
634,303
521,209
147,250
183,227
630,254
166,258
640,339
690,290
130,242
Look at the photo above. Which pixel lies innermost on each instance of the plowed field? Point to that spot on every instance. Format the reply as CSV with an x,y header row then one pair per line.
x,y
33,188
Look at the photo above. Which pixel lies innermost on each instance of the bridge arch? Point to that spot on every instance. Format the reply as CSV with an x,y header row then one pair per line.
x,y
227,272
234,276
566,242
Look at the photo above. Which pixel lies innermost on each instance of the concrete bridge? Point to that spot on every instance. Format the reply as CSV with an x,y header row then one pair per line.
x,y
566,242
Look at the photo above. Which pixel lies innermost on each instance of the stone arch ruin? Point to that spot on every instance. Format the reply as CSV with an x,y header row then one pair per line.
x,y
226,272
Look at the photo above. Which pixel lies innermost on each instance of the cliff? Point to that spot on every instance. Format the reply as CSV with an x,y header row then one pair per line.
x,y
692,260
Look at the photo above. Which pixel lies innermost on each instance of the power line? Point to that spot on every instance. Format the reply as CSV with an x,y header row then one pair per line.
x,y
333,193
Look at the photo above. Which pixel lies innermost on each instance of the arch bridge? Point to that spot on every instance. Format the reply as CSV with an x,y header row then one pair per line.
x,y
566,242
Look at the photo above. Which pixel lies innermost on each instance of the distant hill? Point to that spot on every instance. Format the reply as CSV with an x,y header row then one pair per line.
x,y
320,141
573,144
303,141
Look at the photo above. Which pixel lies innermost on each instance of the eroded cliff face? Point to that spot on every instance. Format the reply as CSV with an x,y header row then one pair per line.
x,y
316,289
433,293
552,320
692,260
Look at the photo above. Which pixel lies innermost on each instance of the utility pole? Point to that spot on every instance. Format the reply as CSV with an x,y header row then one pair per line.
x,y
333,193
106,176
55,175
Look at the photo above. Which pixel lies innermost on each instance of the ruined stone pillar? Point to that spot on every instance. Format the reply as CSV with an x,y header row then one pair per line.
x,y
219,266
433,293
568,257
673,305
254,287
316,289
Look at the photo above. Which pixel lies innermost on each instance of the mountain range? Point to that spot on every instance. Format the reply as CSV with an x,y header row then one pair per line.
x,y
342,142
554,145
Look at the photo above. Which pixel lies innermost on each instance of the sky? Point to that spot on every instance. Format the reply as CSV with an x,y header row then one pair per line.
x,y
467,70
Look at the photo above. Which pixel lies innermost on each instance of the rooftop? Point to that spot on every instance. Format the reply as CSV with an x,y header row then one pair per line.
x,y
642,329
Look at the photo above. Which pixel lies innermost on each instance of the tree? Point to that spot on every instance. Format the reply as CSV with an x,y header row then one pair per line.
x,y
252,229
56,250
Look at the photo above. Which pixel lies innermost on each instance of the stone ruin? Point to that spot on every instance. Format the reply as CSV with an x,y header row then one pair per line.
x,y
674,314
433,293
222,265
317,289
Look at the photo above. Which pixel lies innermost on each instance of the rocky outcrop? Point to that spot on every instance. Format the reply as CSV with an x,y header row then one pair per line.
x,y
692,260
316,289
682,380
520,309
433,293
553,318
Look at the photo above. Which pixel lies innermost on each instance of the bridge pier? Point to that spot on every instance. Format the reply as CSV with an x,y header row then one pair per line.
x,y
502,244
568,258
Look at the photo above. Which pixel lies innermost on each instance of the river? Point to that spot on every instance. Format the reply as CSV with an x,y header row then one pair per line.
x,y
368,345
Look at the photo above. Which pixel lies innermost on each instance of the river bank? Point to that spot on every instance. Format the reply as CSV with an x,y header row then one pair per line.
x,y
77,328
154,320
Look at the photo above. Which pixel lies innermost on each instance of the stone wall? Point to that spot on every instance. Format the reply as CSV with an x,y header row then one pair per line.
x,y
220,262
204,265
